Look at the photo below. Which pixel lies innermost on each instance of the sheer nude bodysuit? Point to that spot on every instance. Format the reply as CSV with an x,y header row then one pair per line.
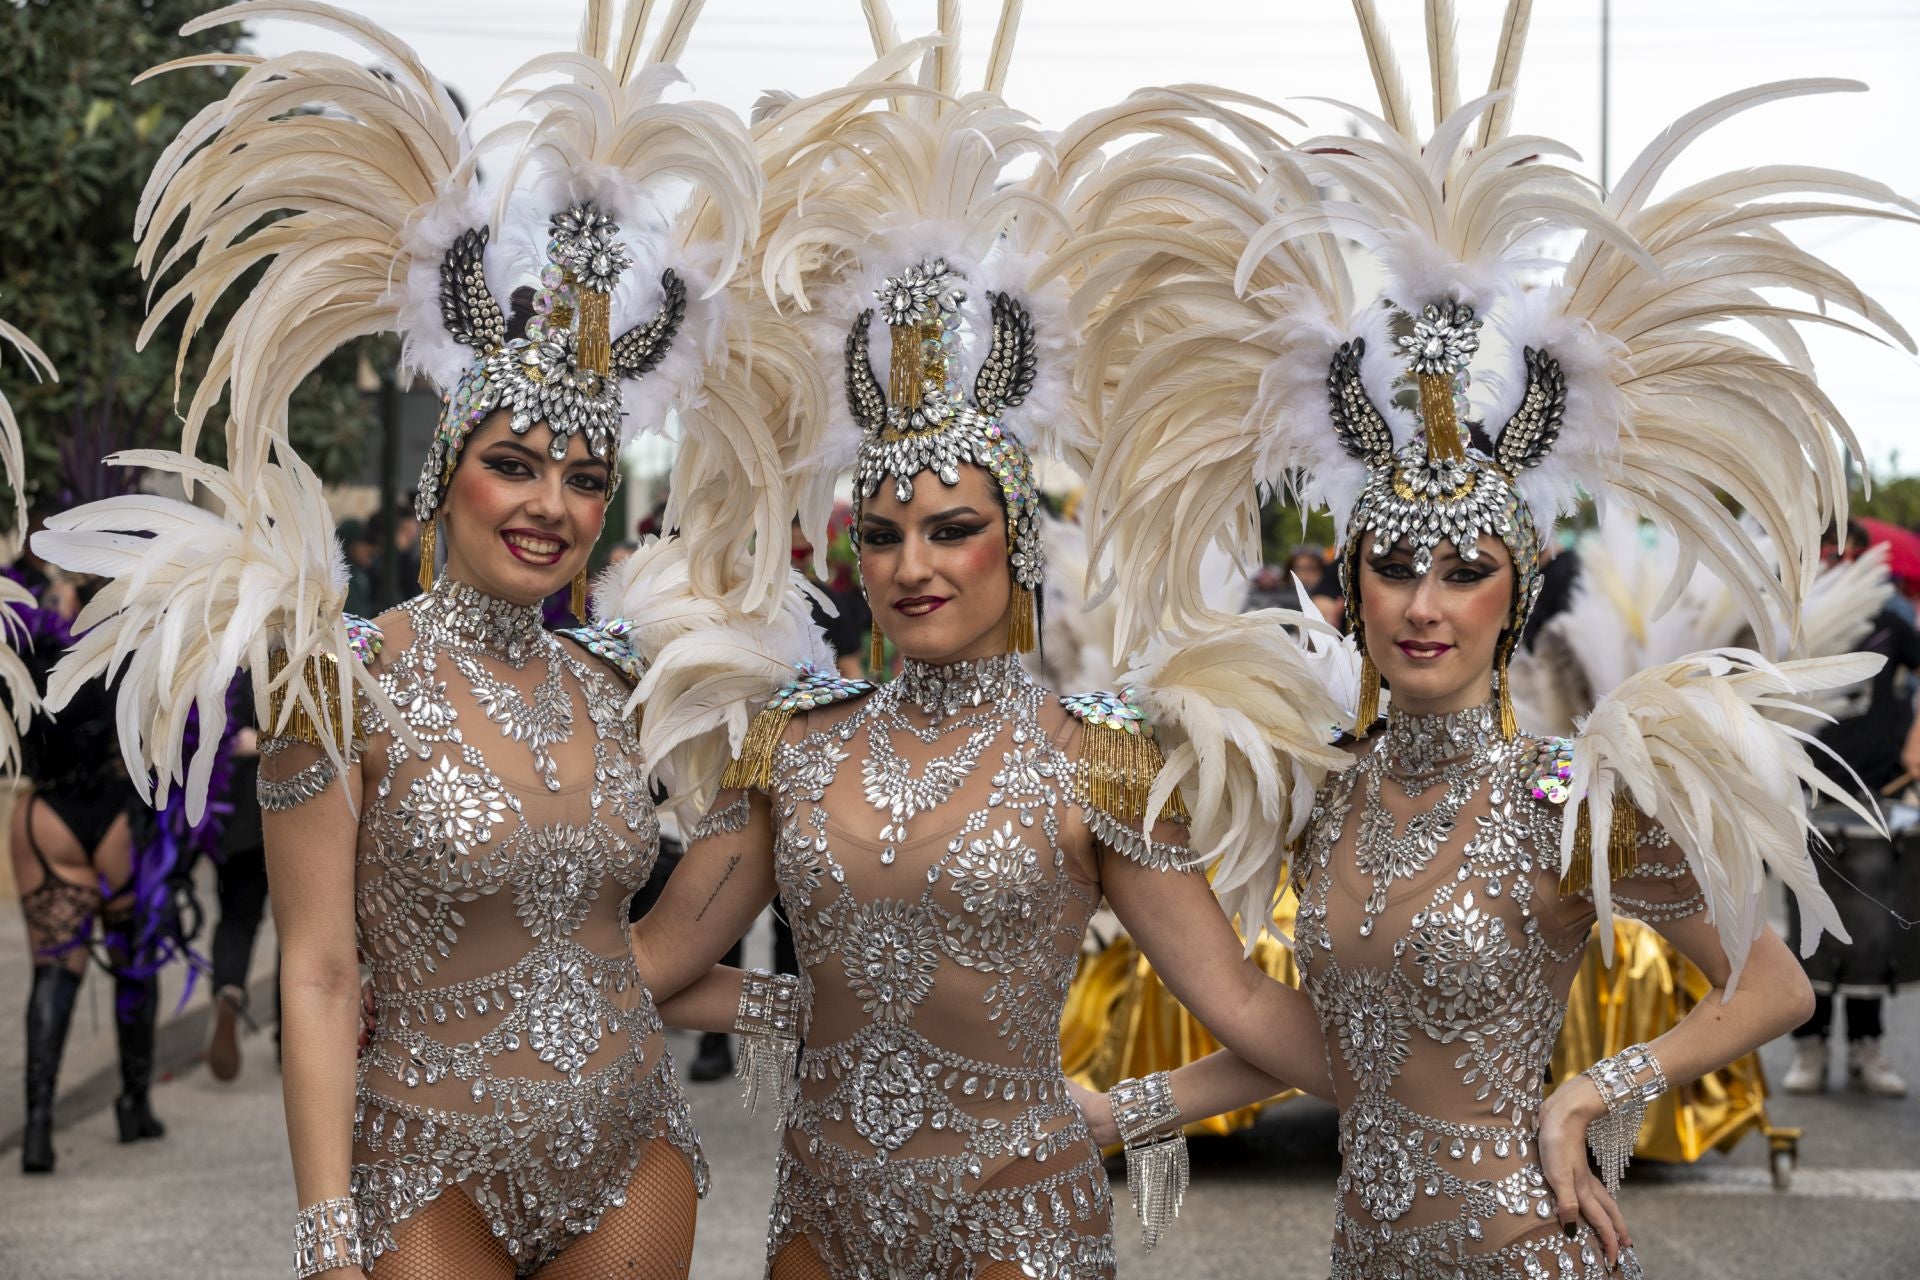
x,y
1438,951
510,1101
936,859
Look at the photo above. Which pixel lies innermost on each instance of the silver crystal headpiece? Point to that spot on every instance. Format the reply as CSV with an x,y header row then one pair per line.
x,y
1439,488
566,370
924,421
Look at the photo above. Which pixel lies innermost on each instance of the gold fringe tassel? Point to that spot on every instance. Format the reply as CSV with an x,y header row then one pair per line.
x,y
1623,846
1120,770
577,597
752,769
321,682
1437,416
1509,722
876,652
1022,636
1369,709
429,539
593,343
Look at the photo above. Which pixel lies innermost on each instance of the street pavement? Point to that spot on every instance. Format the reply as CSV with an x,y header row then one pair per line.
x,y
215,1198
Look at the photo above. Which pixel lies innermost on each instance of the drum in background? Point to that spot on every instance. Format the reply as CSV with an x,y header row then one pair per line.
x,y
1881,884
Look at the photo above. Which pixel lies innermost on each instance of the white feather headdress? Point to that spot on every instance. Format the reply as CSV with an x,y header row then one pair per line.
x,y
387,228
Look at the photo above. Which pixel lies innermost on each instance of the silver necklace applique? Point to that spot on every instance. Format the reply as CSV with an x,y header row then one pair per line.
x,y
457,616
471,625
940,692
1419,752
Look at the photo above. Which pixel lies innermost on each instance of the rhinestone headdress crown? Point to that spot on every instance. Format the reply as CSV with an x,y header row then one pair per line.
x,y
924,421
1439,488
567,368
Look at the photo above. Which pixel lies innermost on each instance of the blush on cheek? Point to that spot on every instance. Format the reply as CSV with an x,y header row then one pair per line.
x,y
979,559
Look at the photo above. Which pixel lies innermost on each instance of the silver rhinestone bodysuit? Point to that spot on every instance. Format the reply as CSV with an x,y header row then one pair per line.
x,y
934,852
1438,953
517,1059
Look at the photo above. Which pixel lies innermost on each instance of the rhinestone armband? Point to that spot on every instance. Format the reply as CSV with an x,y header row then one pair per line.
x,y
1149,1122
768,1024
326,1236
1627,1082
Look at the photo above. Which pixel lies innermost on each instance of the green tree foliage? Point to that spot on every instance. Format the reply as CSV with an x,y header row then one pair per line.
x,y
77,141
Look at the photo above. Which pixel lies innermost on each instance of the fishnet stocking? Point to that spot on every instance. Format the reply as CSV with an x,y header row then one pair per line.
x,y
797,1262
450,1239
650,1237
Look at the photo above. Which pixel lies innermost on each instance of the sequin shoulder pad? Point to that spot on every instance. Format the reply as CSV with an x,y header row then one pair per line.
x,y
812,688
1119,763
816,687
612,641
1549,770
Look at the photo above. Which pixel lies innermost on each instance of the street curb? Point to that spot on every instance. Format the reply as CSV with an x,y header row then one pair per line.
x,y
179,1044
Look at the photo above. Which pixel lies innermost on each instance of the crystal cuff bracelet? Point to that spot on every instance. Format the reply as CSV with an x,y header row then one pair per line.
x,y
768,1023
1627,1083
1149,1123
326,1236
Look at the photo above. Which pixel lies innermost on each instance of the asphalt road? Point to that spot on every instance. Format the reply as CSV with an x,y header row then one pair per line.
x,y
215,1197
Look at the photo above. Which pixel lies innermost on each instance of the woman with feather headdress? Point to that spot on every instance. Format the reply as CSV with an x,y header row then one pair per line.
x,y
452,793
940,840
1448,880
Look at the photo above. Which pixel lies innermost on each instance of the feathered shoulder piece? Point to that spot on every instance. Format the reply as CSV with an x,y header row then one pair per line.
x,y
292,698
816,687
1693,746
253,580
21,697
610,639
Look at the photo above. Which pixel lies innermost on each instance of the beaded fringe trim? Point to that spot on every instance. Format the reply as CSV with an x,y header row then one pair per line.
x,y
1623,846
752,769
1369,709
1157,1176
1022,634
765,1068
1118,770
341,731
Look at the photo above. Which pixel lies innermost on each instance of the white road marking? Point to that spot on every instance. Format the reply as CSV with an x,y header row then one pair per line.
x,y
1809,1184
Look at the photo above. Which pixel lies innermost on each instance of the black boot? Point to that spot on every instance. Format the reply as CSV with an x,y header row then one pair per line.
x,y
49,1014
136,1004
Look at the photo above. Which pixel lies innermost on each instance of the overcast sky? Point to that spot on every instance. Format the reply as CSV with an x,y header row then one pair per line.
x,y
1668,56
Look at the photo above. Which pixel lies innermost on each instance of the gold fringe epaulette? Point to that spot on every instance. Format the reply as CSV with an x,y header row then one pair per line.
x,y
1623,847
343,730
752,768
1119,758
1554,769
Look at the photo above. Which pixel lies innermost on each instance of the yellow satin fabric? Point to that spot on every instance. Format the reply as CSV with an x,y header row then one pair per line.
x,y
1120,1021
1650,988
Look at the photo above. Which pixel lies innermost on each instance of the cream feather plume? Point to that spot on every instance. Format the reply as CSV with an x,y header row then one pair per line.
x,y
22,696
1685,378
709,665
1504,79
196,595
386,155
1248,729
13,461
1396,108
1698,747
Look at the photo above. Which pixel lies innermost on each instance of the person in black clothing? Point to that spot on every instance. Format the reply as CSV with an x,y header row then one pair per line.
x,y
1872,742
241,883
72,843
